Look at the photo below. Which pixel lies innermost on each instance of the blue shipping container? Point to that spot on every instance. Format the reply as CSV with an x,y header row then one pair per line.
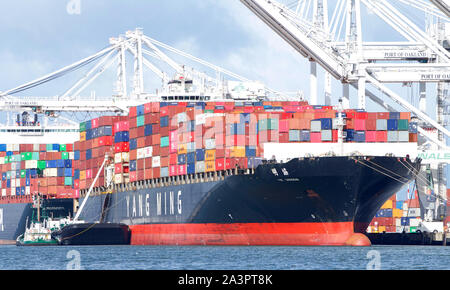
x,y
360,136
326,124
392,124
200,154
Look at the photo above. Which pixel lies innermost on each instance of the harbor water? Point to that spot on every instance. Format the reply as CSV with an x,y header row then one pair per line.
x,y
224,258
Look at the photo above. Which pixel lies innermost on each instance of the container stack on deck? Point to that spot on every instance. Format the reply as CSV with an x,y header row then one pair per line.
x,y
167,139
96,140
31,168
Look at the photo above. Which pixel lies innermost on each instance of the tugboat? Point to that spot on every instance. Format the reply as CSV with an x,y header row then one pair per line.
x,y
39,233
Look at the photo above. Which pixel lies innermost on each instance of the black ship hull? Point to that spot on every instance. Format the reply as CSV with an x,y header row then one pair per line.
x,y
93,234
310,201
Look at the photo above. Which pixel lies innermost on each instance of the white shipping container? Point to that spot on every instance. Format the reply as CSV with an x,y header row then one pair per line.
x,y
2,160
27,190
13,191
398,222
50,172
16,147
125,157
118,158
414,222
18,182
210,144
140,153
9,147
413,212
200,166
156,161
72,155
405,206
36,147
13,182
148,152
118,178
316,126
3,191
31,164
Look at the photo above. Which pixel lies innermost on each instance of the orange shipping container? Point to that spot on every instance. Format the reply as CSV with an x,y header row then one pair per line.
x,y
210,155
210,166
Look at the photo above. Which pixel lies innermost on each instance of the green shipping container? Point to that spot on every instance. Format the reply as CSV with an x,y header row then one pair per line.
x,y
42,164
82,126
412,229
65,155
403,125
68,181
26,156
62,147
23,173
209,111
140,121
165,141
7,159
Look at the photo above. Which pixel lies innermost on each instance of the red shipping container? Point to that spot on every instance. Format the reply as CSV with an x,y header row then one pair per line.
x,y
383,115
316,137
371,136
140,164
147,108
182,169
350,123
148,174
412,137
147,163
173,170
371,116
173,159
94,123
381,136
156,172
133,176
141,174
164,161
361,115
118,168
105,141
371,125
360,124
220,164
133,112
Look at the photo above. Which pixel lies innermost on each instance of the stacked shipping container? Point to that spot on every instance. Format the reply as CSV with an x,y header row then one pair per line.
x,y
400,213
31,168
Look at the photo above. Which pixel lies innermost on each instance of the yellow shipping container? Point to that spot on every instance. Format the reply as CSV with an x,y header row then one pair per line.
x,y
387,204
381,229
82,174
237,151
210,166
82,136
182,148
210,155
397,213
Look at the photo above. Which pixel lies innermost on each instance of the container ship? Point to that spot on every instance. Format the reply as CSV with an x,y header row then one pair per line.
x,y
243,173
189,171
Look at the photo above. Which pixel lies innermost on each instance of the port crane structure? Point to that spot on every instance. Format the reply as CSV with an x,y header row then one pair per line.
x,y
330,34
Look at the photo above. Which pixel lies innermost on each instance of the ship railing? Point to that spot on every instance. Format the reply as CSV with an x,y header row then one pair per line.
x,y
171,181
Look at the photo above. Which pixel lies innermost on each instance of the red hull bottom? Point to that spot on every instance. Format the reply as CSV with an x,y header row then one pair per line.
x,y
252,234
